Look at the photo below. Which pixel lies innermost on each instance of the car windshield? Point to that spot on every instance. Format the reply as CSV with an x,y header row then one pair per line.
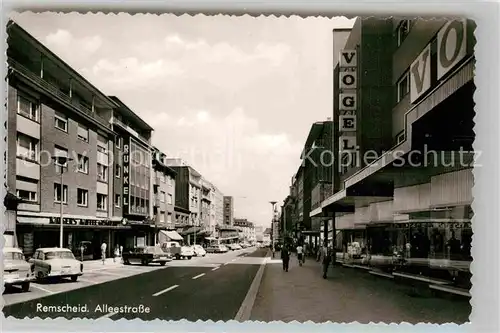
x,y
13,255
59,255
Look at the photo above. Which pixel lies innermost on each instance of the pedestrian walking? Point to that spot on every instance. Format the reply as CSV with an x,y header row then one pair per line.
x,y
103,251
326,254
300,254
117,253
285,257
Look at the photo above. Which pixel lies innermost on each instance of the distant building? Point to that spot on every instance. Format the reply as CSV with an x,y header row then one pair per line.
x,y
259,233
247,229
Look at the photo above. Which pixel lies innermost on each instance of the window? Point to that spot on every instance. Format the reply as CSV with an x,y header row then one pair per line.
x,y
27,147
83,133
61,122
83,164
403,30
102,172
118,171
117,200
57,193
82,197
403,86
60,152
27,195
162,196
102,144
162,216
118,142
102,202
169,218
169,199
27,108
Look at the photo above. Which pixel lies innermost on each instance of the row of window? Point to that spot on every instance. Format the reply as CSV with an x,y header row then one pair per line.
x,y
162,217
164,197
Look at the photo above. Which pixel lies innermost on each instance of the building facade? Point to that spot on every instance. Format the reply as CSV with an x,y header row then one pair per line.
x,y
247,230
415,198
228,210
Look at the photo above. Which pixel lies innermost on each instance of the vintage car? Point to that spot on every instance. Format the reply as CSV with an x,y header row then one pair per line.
x,y
145,255
199,251
16,271
187,252
56,262
217,248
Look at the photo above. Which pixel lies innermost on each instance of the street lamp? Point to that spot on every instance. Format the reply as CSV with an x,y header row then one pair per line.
x,y
62,162
273,204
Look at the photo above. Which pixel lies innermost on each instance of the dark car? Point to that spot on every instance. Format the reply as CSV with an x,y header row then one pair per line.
x,y
146,255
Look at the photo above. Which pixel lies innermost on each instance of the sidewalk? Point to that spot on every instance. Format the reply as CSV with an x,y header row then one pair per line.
x,y
347,295
97,264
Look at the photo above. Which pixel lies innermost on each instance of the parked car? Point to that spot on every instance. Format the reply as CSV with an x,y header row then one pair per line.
x,y
218,248
56,262
199,251
236,246
172,248
186,252
146,255
16,271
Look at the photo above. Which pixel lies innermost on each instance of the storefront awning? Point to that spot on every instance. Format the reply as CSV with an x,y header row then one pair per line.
x,y
191,230
172,234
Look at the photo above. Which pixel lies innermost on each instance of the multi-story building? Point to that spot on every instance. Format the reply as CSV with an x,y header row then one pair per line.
x,y
259,233
188,191
247,229
60,135
163,198
133,175
228,210
416,105
206,203
219,206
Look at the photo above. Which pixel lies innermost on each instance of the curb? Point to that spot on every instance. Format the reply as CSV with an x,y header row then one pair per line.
x,y
247,305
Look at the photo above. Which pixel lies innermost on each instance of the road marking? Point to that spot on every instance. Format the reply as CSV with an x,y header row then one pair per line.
x,y
215,268
106,273
166,290
107,315
198,276
42,289
246,307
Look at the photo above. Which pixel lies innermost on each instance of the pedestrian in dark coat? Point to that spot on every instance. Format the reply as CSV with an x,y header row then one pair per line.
x,y
285,257
327,257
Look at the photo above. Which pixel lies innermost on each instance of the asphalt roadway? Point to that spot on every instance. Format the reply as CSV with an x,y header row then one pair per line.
x,y
189,292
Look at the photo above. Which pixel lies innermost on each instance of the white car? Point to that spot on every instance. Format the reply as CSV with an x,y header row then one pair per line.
x,y
16,271
199,251
56,262
237,246
187,252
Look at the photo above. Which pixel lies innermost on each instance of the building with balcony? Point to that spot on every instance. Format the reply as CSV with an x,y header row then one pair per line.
x,y
163,196
228,211
133,174
54,112
414,115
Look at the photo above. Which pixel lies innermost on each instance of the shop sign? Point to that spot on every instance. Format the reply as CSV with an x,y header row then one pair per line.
x,y
420,74
347,123
451,46
347,58
89,222
347,79
347,102
126,183
347,144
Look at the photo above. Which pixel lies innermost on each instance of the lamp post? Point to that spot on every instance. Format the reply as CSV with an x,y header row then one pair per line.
x,y
62,162
273,205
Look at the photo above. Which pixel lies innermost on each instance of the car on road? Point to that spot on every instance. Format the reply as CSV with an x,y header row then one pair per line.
x,y
186,252
16,271
234,246
218,248
172,248
199,251
56,262
146,255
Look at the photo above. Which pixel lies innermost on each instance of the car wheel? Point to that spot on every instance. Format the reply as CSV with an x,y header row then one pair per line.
x,y
74,278
25,286
178,257
126,262
39,275
162,263
144,262
189,258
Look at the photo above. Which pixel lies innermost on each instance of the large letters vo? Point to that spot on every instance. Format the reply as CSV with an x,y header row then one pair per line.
x,y
452,45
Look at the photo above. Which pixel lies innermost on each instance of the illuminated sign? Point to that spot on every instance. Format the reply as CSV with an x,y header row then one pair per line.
x,y
347,144
348,58
420,74
451,46
126,183
348,79
347,123
347,102
348,82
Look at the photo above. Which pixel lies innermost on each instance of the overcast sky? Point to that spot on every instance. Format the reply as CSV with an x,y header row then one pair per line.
x,y
234,96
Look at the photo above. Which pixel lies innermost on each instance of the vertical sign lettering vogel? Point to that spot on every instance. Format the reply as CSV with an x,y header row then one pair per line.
x,y
347,100
126,183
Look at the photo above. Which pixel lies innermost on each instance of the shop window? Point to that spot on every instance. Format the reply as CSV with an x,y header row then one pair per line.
x,y
83,164
57,193
82,197
102,172
83,133
102,202
28,107
403,31
27,147
117,200
61,122
403,86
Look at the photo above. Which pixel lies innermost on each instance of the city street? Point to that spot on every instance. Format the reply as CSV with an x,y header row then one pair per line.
x,y
212,287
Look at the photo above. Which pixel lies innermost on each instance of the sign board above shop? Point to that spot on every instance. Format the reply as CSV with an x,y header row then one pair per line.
x,y
348,82
348,59
451,45
72,221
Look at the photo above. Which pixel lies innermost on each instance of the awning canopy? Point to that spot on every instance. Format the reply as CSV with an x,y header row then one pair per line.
x,y
172,234
191,230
